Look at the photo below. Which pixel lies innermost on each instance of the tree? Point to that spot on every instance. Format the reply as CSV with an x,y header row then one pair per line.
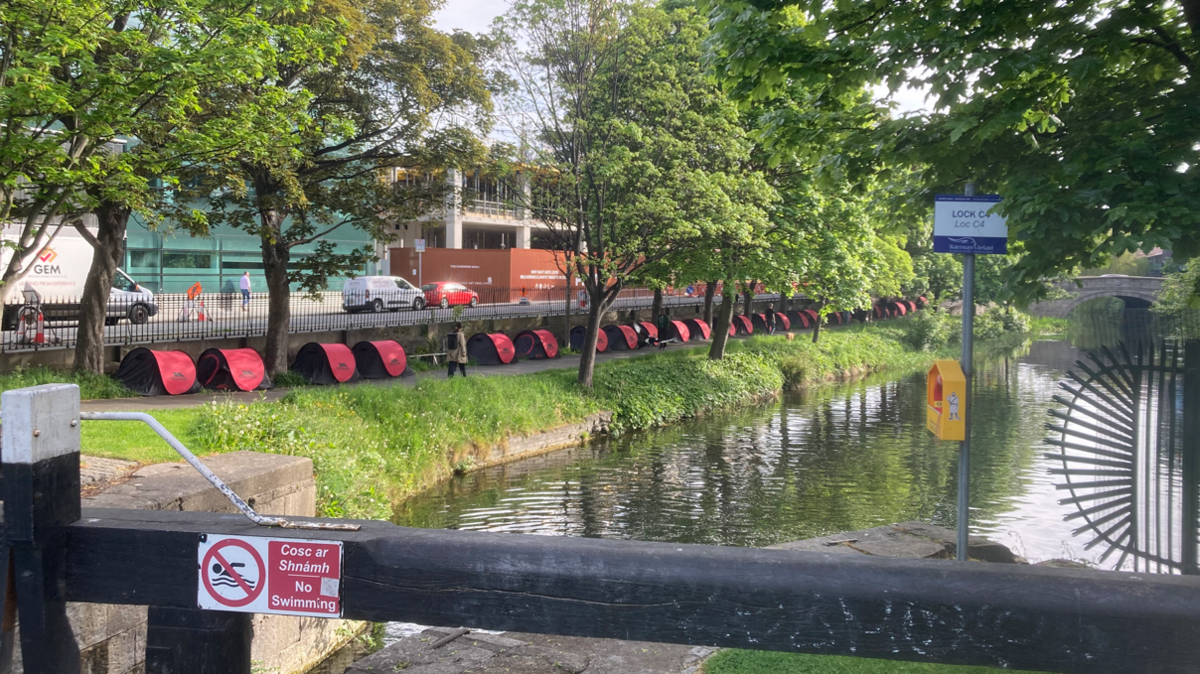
x,y
640,152
397,94
1081,114
152,61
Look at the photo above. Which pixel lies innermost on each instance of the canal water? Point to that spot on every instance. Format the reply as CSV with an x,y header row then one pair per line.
x,y
837,458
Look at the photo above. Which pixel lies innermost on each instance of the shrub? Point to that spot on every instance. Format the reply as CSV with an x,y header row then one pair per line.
x,y
931,330
996,322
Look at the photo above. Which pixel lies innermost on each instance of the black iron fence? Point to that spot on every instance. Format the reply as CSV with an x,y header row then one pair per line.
x,y
172,317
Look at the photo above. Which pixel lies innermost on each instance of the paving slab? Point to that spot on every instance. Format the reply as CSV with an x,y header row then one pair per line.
x,y
912,540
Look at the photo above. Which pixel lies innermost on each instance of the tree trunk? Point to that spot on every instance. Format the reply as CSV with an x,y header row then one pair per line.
x,y
566,338
783,301
587,358
93,306
710,291
820,318
656,306
279,310
748,308
720,329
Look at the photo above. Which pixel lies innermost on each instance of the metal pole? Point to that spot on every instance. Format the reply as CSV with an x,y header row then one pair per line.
x,y
968,352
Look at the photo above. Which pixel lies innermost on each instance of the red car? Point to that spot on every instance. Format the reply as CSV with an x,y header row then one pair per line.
x,y
449,294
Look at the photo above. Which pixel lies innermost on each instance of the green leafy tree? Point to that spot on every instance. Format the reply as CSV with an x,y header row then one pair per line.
x,y
395,93
1082,114
641,155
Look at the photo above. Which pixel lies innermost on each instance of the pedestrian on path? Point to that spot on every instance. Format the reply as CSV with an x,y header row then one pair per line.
x,y
770,319
245,285
456,351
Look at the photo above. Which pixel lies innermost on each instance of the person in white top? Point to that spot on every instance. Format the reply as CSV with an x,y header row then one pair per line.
x,y
245,284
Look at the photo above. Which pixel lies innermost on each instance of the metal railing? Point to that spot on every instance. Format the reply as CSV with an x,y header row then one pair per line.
x,y
172,318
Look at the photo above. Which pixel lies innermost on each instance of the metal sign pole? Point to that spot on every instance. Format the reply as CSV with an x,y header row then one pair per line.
x,y
968,352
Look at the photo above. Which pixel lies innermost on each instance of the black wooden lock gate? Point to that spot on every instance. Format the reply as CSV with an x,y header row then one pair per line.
x,y
54,552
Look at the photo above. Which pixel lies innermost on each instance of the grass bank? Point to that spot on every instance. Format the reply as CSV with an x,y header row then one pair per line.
x,y
765,662
372,446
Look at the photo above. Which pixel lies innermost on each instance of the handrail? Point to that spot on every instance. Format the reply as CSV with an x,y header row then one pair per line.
x,y
211,476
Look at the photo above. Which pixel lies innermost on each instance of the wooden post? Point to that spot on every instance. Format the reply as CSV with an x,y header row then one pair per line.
x,y
192,641
40,463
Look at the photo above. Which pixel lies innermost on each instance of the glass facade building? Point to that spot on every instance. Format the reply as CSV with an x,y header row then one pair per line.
x,y
167,261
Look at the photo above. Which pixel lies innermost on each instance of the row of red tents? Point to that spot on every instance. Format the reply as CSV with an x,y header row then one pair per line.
x,y
155,373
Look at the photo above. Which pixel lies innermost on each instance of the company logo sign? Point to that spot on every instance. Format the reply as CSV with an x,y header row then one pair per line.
x,y
48,255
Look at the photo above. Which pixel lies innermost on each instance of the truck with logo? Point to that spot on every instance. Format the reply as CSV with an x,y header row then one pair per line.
x,y
56,279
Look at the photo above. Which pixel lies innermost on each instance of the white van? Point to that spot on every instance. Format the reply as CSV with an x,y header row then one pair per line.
x,y
381,293
58,276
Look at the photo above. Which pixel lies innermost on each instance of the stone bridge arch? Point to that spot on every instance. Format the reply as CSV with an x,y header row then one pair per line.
x,y
1137,291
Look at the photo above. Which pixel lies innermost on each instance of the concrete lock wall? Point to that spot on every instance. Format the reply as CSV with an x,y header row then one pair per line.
x,y
112,639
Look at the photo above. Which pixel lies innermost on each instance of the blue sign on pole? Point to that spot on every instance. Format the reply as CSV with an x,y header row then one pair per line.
x,y
963,224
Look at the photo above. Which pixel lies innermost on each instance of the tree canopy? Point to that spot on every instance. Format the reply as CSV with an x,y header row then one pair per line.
x,y
1081,114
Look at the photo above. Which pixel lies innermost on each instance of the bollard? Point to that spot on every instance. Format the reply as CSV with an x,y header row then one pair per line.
x,y
39,455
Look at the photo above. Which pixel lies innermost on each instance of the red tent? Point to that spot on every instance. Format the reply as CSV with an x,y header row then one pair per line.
x,y
924,301
326,364
490,348
621,337
536,345
155,373
380,360
813,319
912,306
900,308
699,327
799,318
650,328
680,331
743,325
580,331
232,370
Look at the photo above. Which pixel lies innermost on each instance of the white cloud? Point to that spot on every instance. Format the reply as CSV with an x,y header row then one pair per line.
x,y
474,16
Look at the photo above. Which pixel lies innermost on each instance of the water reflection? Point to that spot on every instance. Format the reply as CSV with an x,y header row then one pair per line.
x,y
836,459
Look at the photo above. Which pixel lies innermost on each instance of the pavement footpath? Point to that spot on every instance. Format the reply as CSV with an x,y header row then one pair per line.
x,y
563,362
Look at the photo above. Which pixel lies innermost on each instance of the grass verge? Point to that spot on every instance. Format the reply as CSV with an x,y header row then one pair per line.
x,y
766,662
90,385
372,446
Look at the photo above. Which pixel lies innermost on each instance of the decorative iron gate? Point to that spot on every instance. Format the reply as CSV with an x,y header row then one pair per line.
x,y
1129,444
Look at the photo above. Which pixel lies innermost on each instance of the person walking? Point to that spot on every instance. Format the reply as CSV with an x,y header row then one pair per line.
x,y
245,285
456,351
770,316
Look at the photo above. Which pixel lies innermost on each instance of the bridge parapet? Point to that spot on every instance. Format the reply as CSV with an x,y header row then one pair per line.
x,y
1139,291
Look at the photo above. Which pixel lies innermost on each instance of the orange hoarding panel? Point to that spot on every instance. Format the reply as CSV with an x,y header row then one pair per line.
x,y
514,269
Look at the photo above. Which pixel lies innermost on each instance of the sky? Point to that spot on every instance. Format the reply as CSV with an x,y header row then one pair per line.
x,y
476,16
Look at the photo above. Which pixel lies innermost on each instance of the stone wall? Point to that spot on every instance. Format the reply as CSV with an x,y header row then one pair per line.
x,y
112,639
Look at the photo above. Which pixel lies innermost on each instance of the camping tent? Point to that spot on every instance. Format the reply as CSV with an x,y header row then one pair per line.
x,y
679,331
912,306
580,331
232,370
900,308
743,325
490,348
156,373
536,345
646,333
621,337
381,360
326,364
798,318
699,327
